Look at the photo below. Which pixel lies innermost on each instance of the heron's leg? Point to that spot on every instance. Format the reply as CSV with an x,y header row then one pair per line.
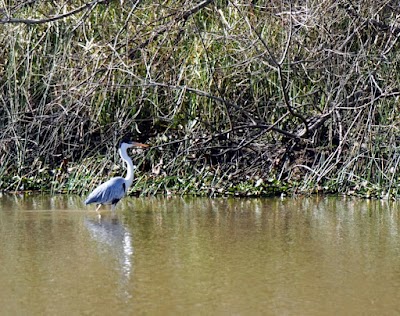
x,y
113,207
98,207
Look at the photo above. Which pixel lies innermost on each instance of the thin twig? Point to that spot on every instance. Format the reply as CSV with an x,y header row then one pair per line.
x,y
86,6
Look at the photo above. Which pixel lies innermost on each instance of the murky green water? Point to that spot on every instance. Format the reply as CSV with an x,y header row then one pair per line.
x,y
319,256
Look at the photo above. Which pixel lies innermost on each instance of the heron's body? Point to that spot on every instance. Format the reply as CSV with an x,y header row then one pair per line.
x,y
110,192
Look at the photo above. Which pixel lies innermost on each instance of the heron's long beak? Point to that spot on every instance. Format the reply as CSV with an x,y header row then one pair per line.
x,y
135,144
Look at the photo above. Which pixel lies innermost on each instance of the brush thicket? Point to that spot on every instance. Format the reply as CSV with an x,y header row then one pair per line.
x,y
242,98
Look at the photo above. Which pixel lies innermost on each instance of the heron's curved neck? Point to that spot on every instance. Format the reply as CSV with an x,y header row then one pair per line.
x,y
130,169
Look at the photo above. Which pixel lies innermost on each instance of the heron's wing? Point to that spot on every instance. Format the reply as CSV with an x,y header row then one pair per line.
x,y
109,192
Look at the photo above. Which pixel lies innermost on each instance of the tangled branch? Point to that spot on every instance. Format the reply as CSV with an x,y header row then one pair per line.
x,y
86,7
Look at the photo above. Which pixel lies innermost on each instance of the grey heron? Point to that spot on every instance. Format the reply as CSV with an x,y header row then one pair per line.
x,y
113,190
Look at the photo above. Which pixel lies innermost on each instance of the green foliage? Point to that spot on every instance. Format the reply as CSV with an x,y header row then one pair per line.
x,y
224,92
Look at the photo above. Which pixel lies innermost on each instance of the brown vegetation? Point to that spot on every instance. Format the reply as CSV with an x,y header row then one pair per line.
x,y
242,97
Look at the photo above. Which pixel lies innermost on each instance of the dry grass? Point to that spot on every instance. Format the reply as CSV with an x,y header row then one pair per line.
x,y
300,94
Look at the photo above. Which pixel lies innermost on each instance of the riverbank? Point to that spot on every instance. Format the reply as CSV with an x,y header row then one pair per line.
x,y
235,99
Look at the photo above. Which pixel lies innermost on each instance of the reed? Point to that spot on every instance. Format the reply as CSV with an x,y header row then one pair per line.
x,y
236,98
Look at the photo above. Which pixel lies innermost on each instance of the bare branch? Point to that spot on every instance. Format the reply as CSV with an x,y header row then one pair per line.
x,y
278,66
179,17
86,6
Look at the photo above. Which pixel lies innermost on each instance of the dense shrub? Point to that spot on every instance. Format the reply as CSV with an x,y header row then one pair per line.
x,y
236,97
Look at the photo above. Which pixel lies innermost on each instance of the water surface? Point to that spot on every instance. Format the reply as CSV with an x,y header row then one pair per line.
x,y
156,256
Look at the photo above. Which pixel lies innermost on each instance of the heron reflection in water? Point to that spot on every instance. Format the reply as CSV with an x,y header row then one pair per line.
x,y
114,238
